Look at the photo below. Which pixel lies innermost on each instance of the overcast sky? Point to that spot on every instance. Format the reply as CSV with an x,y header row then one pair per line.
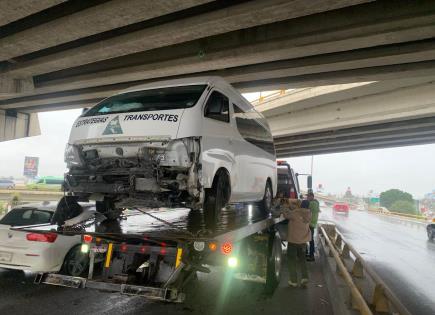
x,y
408,168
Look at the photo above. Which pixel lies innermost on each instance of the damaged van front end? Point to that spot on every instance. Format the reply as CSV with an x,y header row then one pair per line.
x,y
151,172
128,150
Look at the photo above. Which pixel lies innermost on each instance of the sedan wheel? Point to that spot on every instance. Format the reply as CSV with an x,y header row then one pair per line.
x,y
76,262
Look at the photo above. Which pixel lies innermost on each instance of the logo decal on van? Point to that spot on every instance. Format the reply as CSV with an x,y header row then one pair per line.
x,y
160,117
90,121
113,127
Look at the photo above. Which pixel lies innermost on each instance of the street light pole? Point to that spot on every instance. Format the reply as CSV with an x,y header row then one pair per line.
x,y
312,160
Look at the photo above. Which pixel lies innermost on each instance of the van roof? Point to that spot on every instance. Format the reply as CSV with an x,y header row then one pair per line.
x,y
206,80
209,80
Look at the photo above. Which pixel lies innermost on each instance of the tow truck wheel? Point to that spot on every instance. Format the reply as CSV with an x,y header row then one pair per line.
x,y
266,203
76,263
273,263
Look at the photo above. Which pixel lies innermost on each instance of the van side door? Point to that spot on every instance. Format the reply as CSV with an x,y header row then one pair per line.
x,y
217,139
256,155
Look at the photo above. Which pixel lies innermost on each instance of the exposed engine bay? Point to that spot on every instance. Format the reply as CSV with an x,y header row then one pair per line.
x,y
157,173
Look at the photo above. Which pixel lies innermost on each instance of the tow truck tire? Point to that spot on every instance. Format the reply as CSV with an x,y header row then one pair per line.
x,y
76,263
265,205
218,196
274,261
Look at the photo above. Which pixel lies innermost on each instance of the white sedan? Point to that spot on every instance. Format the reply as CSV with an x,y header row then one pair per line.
x,y
36,251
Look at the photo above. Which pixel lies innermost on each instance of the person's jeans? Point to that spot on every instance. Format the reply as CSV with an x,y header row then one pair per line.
x,y
311,253
296,260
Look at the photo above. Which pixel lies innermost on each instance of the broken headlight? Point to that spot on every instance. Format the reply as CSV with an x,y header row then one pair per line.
x,y
72,156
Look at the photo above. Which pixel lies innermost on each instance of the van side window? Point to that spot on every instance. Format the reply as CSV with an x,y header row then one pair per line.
x,y
250,128
217,107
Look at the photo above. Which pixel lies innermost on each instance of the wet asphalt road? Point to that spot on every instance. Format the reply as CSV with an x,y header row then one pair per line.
x,y
399,252
215,293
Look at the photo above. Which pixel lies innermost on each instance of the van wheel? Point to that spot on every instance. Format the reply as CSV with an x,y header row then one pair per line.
x,y
273,263
265,205
107,207
67,208
217,197
76,263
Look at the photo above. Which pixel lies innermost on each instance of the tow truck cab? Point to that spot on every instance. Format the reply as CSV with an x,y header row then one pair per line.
x,y
288,184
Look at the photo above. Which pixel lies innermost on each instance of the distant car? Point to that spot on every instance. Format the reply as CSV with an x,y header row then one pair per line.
x,y
38,251
431,231
341,207
6,184
383,210
360,207
47,182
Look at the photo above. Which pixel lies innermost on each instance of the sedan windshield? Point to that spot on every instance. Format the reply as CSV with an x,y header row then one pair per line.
x,y
26,216
177,97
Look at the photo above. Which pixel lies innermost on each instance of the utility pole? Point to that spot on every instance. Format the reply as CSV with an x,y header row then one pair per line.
x,y
312,160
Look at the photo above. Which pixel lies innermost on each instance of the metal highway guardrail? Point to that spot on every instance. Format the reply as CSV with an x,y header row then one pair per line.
x,y
403,219
400,214
381,299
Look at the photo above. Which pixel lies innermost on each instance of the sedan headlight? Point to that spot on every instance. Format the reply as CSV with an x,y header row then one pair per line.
x,y
72,156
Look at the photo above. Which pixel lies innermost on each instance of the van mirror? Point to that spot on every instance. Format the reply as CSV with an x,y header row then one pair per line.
x,y
310,182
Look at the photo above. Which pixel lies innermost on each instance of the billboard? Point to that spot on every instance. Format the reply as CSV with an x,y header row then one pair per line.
x,y
31,166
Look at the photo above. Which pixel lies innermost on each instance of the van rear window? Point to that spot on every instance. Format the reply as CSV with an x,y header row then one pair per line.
x,y
177,97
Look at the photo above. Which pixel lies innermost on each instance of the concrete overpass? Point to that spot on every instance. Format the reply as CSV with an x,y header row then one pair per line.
x,y
348,117
58,54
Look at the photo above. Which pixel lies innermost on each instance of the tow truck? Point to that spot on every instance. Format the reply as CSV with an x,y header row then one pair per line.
x,y
288,182
156,253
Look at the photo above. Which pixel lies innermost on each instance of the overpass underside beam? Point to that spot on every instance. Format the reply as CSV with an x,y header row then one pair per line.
x,y
253,44
391,134
15,125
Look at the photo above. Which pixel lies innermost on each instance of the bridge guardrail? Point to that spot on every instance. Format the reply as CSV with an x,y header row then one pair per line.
x,y
262,99
420,223
381,299
400,214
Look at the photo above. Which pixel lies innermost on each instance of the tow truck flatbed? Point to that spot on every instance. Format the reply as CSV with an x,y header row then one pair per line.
x,y
155,253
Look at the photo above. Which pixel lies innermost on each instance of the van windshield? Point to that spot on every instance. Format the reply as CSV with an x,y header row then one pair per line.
x,y
177,97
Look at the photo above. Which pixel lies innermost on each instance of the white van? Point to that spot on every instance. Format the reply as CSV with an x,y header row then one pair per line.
x,y
192,142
